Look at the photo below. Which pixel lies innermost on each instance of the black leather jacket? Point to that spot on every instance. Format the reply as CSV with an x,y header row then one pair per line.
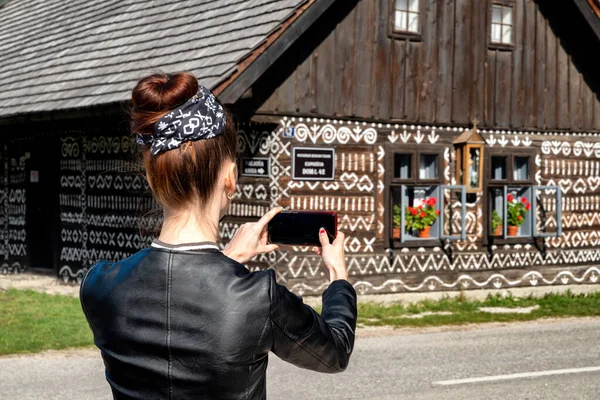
x,y
175,324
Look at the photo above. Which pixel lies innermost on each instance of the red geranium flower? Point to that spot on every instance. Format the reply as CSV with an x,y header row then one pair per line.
x,y
510,198
421,207
413,211
423,215
437,212
524,200
431,201
527,206
519,218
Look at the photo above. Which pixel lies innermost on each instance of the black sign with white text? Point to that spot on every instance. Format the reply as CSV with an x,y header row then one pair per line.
x,y
257,167
313,164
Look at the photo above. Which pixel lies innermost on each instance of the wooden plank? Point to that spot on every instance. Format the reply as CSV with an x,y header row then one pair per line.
x,y
518,92
478,61
596,124
529,68
325,73
587,105
365,38
305,101
539,67
381,93
562,88
345,52
489,116
551,63
502,95
398,79
443,111
461,83
411,106
428,87
286,95
575,112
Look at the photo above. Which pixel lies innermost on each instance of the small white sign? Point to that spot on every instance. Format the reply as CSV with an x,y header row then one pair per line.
x,y
34,176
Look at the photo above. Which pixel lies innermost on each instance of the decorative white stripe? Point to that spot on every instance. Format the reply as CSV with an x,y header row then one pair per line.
x,y
187,248
517,376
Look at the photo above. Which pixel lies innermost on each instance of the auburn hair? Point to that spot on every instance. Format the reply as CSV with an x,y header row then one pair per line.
x,y
189,173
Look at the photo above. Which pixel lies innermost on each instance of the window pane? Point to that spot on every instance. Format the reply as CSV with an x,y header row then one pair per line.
x,y
498,168
428,166
474,161
402,5
507,16
400,24
496,219
519,210
413,5
506,34
496,14
402,166
413,22
496,33
521,169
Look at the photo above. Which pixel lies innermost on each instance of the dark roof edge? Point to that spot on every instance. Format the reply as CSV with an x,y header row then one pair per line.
x,y
250,75
588,13
97,110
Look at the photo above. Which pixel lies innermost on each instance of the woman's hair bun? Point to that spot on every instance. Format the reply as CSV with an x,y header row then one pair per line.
x,y
156,95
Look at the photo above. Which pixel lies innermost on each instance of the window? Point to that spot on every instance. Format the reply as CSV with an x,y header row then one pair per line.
x,y
516,210
414,185
502,24
406,16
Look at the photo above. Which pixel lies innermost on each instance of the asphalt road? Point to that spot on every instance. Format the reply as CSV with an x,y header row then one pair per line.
x,y
558,360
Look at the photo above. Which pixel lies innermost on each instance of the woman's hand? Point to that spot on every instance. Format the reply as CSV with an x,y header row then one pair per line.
x,y
333,255
251,239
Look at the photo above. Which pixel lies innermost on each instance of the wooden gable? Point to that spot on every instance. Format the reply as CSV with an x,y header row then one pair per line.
x,y
349,65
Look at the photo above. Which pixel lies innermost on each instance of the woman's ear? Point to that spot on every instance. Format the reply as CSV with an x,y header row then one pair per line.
x,y
231,178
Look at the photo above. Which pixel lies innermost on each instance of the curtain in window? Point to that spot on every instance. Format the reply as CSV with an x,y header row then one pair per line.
x,y
428,166
498,168
521,169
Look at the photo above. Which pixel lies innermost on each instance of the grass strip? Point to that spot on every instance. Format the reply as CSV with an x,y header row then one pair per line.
x,y
31,322
465,311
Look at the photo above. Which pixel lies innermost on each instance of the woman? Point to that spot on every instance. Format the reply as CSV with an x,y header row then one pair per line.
x,y
181,319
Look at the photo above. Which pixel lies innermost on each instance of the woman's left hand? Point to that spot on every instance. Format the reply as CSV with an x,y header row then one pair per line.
x,y
251,239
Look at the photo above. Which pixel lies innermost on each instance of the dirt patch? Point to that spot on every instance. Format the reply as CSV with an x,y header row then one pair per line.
x,y
505,310
40,283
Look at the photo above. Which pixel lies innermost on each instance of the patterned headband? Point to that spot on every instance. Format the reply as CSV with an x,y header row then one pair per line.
x,y
201,117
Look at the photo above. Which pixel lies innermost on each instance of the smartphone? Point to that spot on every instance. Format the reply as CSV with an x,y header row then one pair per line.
x,y
302,227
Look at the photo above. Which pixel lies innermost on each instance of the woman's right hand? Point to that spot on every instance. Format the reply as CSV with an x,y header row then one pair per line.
x,y
333,255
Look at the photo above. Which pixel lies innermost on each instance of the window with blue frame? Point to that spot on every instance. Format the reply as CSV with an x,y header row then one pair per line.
x,y
518,210
421,210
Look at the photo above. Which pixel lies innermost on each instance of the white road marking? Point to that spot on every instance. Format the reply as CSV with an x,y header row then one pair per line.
x,y
517,376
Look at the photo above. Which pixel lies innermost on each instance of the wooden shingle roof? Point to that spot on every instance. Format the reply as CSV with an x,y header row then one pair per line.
x,y
57,55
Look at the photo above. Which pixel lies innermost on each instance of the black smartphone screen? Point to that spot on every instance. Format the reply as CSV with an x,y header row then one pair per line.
x,y
301,227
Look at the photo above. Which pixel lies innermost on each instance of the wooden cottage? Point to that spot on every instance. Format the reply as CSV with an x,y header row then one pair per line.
x,y
484,115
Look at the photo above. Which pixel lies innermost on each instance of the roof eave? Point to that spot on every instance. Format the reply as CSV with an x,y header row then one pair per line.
x,y
590,16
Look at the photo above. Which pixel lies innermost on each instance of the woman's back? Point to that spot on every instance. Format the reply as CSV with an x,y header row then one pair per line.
x,y
186,324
